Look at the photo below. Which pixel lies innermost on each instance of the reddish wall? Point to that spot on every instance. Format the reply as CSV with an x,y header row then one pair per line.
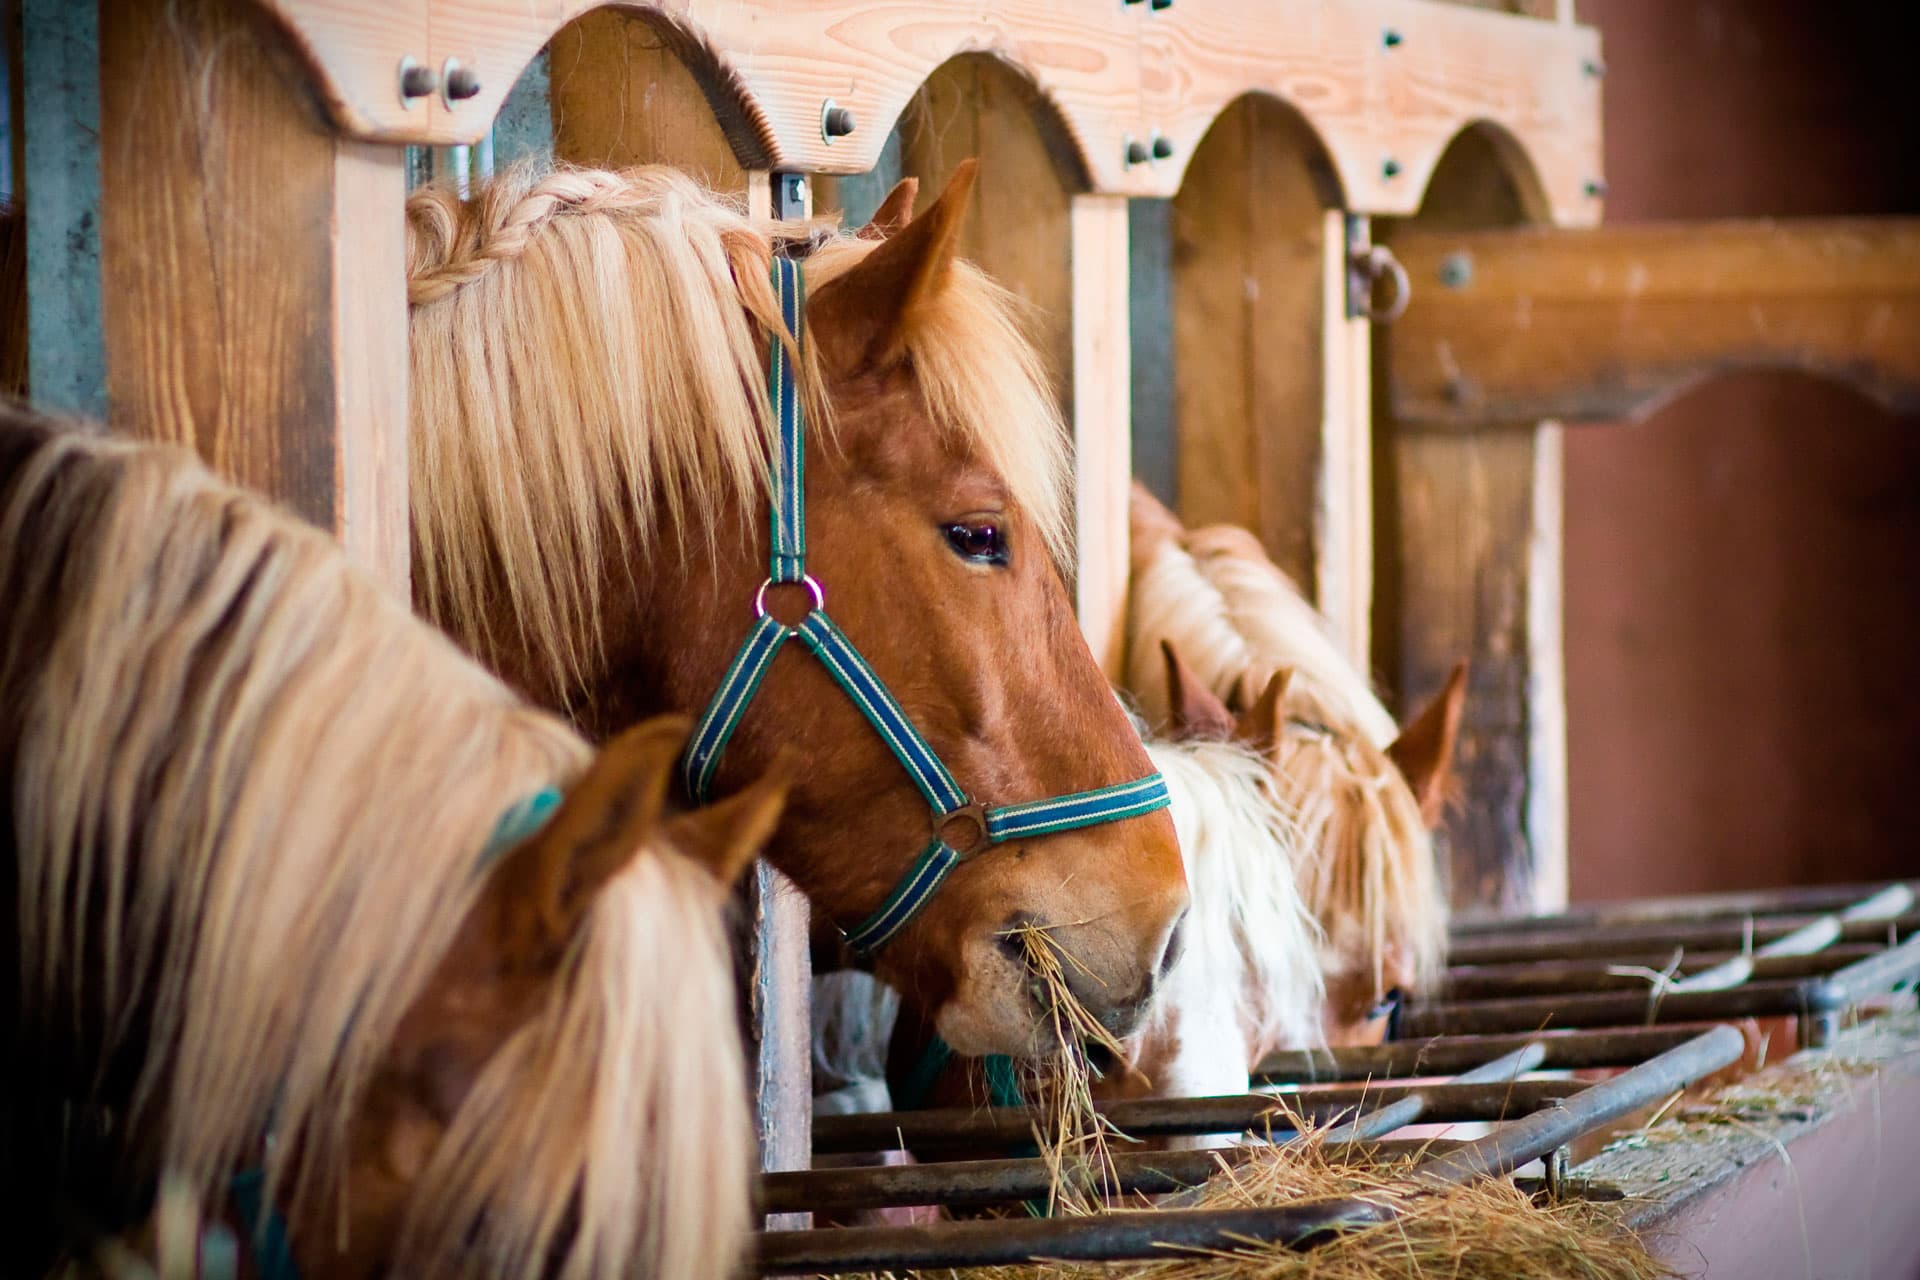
x,y
1743,569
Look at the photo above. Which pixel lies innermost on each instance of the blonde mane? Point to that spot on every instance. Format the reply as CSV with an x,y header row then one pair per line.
x,y
1367,867
588,373
1250,938
249,794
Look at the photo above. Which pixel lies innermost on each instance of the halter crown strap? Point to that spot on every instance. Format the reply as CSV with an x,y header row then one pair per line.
x,y
947,800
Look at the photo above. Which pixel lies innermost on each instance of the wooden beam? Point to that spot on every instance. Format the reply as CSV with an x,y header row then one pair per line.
x,y
1102,436
1343,478
1511,326
253,272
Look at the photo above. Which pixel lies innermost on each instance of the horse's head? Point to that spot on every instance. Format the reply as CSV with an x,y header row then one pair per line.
x,y
592,437
1366,857
569,1082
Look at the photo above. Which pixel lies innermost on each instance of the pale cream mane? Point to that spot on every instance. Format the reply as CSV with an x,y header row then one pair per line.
x,y
1250,938
257,789
588,356
1367,868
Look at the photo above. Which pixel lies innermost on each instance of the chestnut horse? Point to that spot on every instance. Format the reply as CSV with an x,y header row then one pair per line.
x,y
594,452
272,921
1364,793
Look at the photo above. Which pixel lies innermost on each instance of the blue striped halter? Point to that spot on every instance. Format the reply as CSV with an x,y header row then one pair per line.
x,y
962,826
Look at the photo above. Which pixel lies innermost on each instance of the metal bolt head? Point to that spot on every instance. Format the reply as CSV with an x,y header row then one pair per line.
x,y
835,120
1389,168
1594,68
458,81
1456,270
415,81
1158,5
1162,147
1137,152
1596,187
1391,39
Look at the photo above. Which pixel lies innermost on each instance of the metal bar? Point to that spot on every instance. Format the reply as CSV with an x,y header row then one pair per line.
x,y
1482,982
1873,976
1166,1117
1605,943
1398,1115
1445,1055
1783,998
1695,907
975,1182
1533,1136
1107,1237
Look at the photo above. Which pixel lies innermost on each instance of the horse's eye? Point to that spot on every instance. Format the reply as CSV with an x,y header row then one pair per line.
x,y
981,542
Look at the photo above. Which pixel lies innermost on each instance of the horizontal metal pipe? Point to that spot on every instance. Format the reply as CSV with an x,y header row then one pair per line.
x,y
1405,1111
1163,1117
1876,975
975,1182
1801,900
1446,1055
1783,998
1482,982
1607,942
1532,1136
1106,1237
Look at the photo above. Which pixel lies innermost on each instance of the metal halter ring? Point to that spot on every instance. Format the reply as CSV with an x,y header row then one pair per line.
x,y
974,814
806,580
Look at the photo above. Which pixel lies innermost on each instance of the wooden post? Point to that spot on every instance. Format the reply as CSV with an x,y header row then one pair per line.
x,y
1343,500
253,271
1102,439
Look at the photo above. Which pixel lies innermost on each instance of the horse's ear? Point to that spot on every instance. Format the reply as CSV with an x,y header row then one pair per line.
x,y
609,814
1261,724
1424,749
726,836
894,213
1198,712
860,319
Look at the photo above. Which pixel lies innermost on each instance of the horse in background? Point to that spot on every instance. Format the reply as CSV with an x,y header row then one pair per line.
x,y
273,927
590,477
1364,794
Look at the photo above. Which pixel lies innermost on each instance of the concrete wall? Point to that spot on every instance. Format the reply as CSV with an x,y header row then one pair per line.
x,y
1743,569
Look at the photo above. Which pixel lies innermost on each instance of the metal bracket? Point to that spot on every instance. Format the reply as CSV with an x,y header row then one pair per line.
x,y
790,196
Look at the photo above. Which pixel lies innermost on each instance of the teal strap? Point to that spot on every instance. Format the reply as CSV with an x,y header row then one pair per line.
x,y
263,1226
926,1072
944,796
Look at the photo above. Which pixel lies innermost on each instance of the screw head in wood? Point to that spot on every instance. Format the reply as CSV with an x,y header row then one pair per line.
x,y
1391,39
1389,168
1594,68
1162,147
835,120
458,81
1456,270
415,81
1158,5
1596,187
1137,152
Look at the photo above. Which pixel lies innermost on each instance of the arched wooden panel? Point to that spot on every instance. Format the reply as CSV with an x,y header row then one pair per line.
x,y
1386,83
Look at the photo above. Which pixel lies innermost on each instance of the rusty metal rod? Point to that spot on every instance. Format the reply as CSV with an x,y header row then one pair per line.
x,y
1165,1117
1445,1055
1408,1109
1532,1136
1806,899
1605,942
975,1182
1783,998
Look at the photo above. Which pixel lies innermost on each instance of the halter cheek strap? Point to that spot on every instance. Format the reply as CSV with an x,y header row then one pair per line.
x,y
962,827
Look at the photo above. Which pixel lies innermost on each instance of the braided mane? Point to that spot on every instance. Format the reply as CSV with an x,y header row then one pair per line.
x,y
587,376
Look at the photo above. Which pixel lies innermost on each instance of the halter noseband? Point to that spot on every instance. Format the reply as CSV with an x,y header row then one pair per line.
x,y
962,826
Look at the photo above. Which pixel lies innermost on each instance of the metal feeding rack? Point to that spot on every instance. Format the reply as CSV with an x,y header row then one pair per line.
x,y
1604,990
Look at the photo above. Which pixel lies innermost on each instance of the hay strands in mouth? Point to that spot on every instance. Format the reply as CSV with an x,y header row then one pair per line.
x,y
1231,1225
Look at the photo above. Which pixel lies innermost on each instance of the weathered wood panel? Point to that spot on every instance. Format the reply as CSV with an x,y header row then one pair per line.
x,y
1469,538
252,270
1118,73
1510,326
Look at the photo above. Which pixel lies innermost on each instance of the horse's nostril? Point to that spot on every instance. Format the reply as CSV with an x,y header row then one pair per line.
x,y
1170,954
1011,937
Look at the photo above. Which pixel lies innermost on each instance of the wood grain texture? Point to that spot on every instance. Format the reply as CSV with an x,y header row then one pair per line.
x,y
253,289
1102,439
1467,567
1343,497
780,996
1606,325
1116,72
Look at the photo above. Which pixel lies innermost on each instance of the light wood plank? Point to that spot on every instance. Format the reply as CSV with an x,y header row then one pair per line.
x,y
253,275
1103,447
1512,326
1116,72
1343,506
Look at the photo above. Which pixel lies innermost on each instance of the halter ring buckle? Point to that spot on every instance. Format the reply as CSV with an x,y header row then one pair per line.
x,y
974,815
806,580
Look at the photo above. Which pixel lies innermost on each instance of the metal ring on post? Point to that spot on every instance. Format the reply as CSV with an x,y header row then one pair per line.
x,y
806,580
1380,262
